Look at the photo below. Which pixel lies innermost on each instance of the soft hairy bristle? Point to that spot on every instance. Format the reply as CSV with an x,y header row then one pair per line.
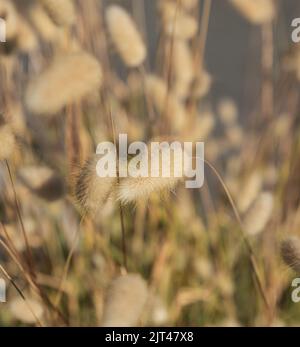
x,y
125,300
166,102
62,12
92,191
125,36
290,252
259,214
134,187
256,11
177,22
7,142
68,79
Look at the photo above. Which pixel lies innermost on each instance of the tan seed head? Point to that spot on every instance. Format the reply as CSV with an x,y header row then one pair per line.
x,y
125,36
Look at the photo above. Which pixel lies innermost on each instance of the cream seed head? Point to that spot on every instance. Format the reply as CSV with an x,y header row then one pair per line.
x,y
202,84
125,36
255,11
177,22
68,79
26,38
228,112
183,67
9,13
136,188
189,4
62,12
43,23
132,190
126,298
26,311
92,191
249,191
259,214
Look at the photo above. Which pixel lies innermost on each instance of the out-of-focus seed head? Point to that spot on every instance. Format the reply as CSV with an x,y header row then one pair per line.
x,y
177,22
255,11
68,79
125,300
91,191
125,36
62,12
259,214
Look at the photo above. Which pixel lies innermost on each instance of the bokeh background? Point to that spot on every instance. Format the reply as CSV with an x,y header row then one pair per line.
x,y
80,250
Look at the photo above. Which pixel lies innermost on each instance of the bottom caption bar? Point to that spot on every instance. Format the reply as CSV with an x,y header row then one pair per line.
x,y
149,336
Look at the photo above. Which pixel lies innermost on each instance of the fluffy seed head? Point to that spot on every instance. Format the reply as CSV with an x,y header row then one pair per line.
x,y
228,112
255,11
132,189
177,22
189,4
26,38
157,313
249,191
42,23
7,142
290,252
125,300
125,36
183,68
62,12
91,191
22,310
259,214
202,84
68,79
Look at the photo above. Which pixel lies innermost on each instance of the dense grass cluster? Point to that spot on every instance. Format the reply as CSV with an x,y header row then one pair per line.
x,y
80,250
